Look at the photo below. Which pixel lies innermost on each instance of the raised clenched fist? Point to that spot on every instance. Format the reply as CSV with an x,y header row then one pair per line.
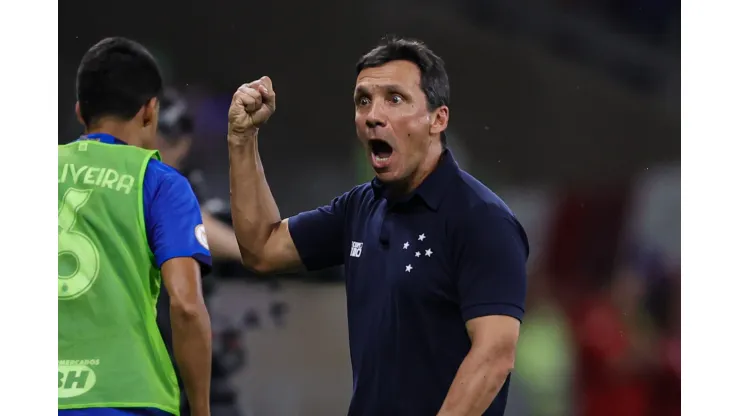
x,y
251,106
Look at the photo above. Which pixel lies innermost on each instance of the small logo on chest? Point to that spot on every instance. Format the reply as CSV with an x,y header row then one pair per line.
x,y
417,250
356,249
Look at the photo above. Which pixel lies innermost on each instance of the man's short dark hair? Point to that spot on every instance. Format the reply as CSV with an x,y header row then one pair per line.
x,y
116,78
434,81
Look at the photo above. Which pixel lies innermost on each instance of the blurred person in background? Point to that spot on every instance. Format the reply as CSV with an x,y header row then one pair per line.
x,y
616,352
545,361
174,141
131,219
435,262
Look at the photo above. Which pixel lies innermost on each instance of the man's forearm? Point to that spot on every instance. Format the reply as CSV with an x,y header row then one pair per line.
x,y
477,382
191,336
254,211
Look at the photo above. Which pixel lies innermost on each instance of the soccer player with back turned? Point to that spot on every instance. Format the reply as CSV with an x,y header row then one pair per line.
x,y
127,222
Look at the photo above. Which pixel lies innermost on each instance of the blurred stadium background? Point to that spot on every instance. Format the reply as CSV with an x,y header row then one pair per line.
x,y
568,109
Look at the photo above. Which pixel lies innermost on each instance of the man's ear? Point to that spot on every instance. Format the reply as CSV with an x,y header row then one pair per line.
x,y
79,114
440,118
149,113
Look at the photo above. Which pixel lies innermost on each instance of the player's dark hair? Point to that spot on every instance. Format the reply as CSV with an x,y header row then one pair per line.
x,y
434,81
175,120
116,78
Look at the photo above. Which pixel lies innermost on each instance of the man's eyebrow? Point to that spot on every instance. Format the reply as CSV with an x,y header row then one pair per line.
x,y
363,90
394,87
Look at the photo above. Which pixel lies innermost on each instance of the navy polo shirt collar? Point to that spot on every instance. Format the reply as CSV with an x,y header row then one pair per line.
x,y
102,138
432,188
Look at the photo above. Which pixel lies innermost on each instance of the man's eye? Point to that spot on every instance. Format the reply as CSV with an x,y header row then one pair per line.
x,y
363,101
396,99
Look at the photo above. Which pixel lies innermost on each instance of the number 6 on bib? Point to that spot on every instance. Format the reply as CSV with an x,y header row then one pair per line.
x,y
79,260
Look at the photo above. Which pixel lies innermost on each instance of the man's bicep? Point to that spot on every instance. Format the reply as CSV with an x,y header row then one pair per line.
x,y
499,330
280,254
318,235
175,225
492,256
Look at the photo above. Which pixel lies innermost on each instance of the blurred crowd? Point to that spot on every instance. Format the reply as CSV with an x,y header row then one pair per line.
x,y
599,341
604,346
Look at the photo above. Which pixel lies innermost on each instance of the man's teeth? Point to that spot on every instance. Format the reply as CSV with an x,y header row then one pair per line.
x,y
380,159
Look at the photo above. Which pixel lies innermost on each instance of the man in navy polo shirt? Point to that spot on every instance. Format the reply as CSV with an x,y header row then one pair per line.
x,y
434,261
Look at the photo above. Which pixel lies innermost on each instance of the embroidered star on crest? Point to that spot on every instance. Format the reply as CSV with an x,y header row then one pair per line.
x,y
422,237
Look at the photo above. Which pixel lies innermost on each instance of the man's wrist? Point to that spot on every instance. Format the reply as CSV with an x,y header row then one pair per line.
x,y
242,138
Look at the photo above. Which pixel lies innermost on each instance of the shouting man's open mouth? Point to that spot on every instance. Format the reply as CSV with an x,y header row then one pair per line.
x,y
380,153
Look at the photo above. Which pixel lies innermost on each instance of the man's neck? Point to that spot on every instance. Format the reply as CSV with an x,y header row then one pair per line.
x,y
426,167
123,131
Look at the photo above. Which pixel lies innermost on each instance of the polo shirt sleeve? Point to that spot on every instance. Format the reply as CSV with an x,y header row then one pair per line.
x,y
318,235
491,249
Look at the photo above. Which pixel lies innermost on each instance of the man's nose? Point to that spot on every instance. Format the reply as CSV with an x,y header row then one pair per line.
x,y
375,117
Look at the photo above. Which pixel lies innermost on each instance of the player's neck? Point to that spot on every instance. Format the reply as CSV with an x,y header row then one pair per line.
x,y
426,167
121,130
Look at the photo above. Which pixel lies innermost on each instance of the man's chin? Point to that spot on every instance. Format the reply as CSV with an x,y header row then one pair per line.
x,y
387,175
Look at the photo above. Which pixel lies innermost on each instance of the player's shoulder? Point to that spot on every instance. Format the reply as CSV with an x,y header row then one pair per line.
x,y
164,184
359,197
158,167
361,192
479,208
355,196
472,194
159,172
64,150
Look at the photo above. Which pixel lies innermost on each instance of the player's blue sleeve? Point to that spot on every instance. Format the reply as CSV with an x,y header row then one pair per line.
x,y
174,225
491,249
